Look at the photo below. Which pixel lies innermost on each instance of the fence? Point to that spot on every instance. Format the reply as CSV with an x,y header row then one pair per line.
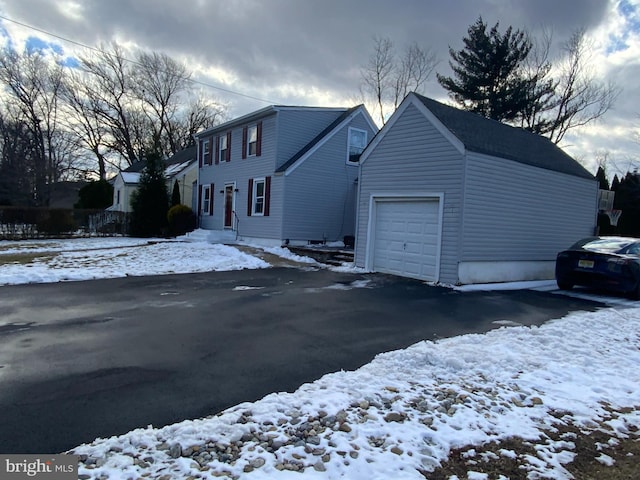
x,y
20,223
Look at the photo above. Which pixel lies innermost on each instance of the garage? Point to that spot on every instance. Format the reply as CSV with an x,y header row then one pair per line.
x,y
407,237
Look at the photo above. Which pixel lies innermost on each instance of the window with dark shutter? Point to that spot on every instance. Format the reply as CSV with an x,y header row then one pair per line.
x,y
228,146
217,160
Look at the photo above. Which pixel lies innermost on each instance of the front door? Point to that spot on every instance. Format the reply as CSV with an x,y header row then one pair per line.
x,y
228,205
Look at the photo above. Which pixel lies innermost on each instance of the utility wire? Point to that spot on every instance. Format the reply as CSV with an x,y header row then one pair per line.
x,y
74,42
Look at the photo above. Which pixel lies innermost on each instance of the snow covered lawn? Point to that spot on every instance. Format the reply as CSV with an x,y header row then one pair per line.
x,y
91,258
400,416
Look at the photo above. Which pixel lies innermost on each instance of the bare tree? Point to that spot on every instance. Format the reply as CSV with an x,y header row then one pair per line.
x,y
581,97
84,120
160,83
110,93
34,83
388,77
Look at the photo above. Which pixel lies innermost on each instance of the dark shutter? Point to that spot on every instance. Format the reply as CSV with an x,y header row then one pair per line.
x,y
211,198
244,141
259,139
228,146
199,199
217,160
250,198
267,195
200,153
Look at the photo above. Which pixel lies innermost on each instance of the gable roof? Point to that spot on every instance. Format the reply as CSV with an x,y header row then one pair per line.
x,y
319,138
490,137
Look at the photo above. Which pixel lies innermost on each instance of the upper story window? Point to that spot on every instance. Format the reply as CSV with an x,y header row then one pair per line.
x,y
206,152
224,147
252,140
357,144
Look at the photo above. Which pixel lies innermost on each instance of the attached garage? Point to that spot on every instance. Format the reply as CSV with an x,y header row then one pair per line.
x,y
449,196
406,236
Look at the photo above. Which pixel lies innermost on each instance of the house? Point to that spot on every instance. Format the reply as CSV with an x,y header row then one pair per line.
x,y
282,175
449,196
181,168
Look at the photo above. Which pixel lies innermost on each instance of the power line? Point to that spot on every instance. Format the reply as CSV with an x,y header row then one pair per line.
x,y
88,47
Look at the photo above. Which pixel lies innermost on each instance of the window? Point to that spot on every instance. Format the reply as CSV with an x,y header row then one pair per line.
x,y
206,152
252,140
259,191
258,196
206,199
118,197
357,143
223,148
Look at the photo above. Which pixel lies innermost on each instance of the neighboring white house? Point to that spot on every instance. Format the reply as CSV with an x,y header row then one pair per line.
x,y
449,196
181,168
283,174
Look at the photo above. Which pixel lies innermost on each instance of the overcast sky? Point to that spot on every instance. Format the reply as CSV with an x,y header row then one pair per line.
x,y
309,52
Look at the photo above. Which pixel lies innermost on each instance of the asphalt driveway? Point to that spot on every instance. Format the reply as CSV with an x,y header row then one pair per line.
x,y
99,358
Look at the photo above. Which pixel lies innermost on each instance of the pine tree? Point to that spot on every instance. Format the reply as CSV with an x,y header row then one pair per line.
x,y
150,202
175,195
488,72
601,176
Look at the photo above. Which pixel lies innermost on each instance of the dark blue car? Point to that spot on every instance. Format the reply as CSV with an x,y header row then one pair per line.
x,y
611,263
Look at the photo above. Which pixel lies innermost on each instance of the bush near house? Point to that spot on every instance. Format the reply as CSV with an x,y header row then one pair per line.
x,y
181,220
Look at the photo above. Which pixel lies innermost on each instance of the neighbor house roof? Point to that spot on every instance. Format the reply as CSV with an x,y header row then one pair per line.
x,y
175,164
309,146
483,135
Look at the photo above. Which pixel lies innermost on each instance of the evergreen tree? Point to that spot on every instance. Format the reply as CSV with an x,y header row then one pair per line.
x,y
489,74
175,195
628,200
615,183
97,194
601,176
150,202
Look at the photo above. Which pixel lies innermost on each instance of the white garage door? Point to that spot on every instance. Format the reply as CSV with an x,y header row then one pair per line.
x,y
406,238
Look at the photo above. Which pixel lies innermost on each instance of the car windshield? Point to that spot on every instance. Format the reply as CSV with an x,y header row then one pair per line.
x,y
611,245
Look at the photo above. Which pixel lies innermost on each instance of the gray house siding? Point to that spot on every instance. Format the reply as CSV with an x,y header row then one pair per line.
x,y
517,212
240,170
321,191
414,158
296,128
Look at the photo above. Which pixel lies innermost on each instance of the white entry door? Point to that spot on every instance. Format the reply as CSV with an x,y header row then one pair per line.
x,y
407,237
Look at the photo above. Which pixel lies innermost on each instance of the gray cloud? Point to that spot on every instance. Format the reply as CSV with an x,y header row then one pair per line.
x,y
311,44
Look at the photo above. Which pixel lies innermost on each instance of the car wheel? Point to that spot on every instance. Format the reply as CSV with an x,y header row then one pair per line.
x,y
564,284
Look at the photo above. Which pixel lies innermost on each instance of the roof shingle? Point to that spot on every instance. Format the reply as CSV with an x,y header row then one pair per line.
x,y
483,135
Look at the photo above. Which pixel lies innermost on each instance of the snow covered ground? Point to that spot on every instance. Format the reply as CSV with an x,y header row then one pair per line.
x,y
396,417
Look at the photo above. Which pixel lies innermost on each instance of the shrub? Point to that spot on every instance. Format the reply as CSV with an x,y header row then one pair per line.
x,y
56,221
181,220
